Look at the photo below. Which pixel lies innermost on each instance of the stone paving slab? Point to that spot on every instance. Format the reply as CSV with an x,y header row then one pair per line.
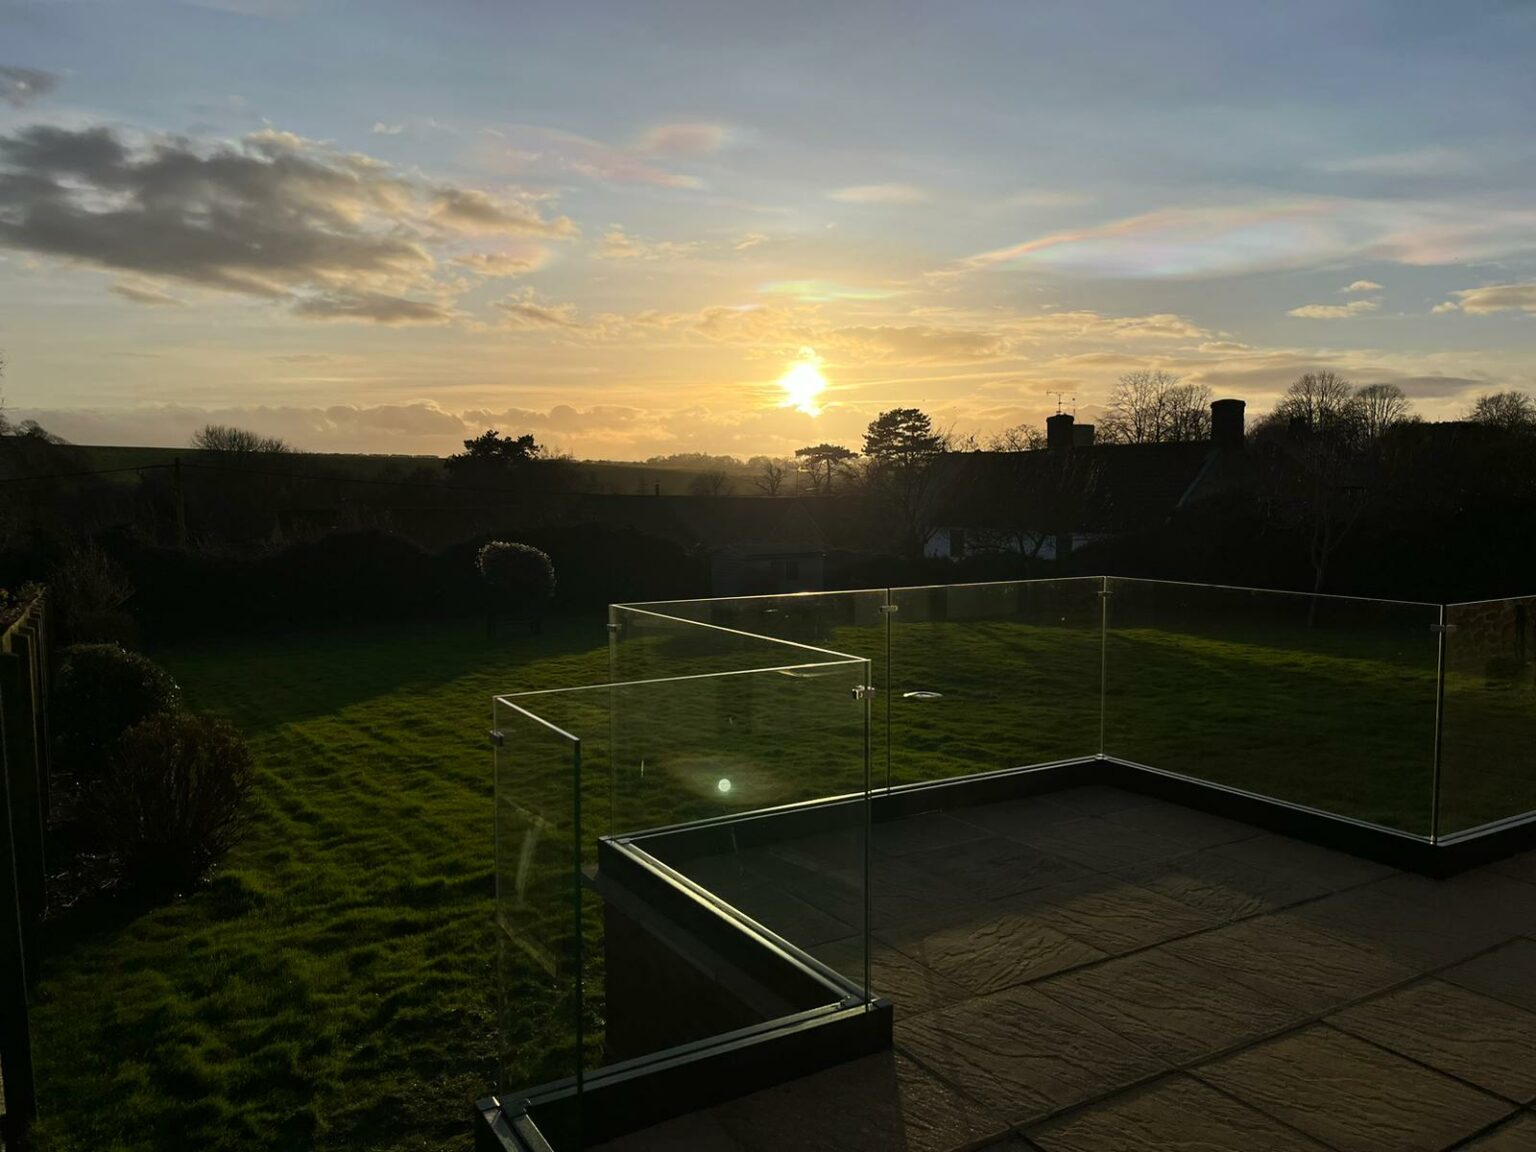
x,y
1333,871
911,987
996,867
1483,1041
999,950
1112,915
1516,1135
1170,1007
1100,843
928,830
1286,957
1178,1114
1506,973
1186,826
1354,1096
1023,1055
1223,886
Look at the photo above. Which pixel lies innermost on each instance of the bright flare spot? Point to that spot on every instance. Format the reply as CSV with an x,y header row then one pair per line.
x,y
724,786
803,383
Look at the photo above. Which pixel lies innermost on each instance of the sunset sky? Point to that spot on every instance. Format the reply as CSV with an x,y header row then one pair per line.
x,y
622,226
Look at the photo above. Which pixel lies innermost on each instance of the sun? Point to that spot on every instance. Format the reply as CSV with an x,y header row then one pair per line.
x,y
803,383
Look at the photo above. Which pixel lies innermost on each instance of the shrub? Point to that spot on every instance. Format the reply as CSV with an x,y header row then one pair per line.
x,y
100,691
521,578
173,799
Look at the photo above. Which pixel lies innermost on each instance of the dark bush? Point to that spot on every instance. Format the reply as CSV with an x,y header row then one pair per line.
x,y
173,799
100,691
521,578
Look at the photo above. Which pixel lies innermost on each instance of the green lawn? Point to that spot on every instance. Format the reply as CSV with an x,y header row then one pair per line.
x,y
335,986
332,988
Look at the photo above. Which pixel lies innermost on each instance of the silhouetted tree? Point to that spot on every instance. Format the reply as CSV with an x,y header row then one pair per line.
x,y
822,461
1019,438
1318,401
1379,408
1511,411
1155,407
901,449
227,438
520,578
770,477
491,447
712,483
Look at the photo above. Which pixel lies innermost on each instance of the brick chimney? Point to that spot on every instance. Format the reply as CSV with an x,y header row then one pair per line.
x,y
1058,431
1227,423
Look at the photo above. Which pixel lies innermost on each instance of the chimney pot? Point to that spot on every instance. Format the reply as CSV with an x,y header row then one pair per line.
x,y
1082,435
1227,423
1058,430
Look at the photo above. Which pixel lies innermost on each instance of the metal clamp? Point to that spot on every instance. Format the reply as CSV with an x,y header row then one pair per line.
x,y
864,691
497,737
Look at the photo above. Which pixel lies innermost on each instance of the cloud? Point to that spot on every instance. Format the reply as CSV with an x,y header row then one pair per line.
x,y
682,139
750,240
879,194
19,87
1362,286
378,307
619,245
1204,241
1432,161
382,129
504,265
550,154
332,235
141,292
525,310
1492,298
1334,311
473,212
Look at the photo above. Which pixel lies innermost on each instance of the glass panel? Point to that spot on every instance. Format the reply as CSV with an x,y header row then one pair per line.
x,y
537,899
1323,701
1488,726
649,644
992,676
849,623
690,777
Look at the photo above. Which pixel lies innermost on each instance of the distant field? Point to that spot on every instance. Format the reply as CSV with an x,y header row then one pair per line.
x,y
620,477
334,987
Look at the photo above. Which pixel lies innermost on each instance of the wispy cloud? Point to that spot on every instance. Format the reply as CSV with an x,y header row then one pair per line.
x,y
19,87
683,139
1222,241
547,153
526,310
1334,311
1492,298
1362,286
143,292
880,194
1432,161
620,245
750,240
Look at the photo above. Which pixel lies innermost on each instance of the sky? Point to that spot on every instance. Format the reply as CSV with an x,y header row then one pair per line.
x,y
638,228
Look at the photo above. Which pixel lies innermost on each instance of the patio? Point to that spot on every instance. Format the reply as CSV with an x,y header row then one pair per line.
x,y
1096,969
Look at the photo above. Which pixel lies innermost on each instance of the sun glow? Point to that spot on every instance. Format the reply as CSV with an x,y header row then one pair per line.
x,y
803,383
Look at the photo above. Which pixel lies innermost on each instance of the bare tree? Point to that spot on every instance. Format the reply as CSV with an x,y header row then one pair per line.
x,y
1019,438
227,438
1151,406
770,479
1511,411
1379,408
1318,401
712,483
